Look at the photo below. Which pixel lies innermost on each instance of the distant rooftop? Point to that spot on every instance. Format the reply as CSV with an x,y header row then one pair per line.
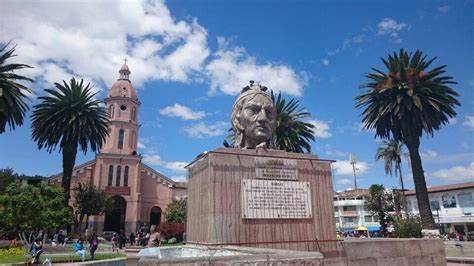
x,y
352,192
444,188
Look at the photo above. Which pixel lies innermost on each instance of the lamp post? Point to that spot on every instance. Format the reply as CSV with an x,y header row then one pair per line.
x,y
439,224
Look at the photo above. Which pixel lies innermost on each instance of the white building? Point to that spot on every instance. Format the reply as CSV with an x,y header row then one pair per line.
x,y
452,206
351,211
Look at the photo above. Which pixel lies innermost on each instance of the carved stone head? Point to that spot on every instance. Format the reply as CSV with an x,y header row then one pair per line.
x,y
253,117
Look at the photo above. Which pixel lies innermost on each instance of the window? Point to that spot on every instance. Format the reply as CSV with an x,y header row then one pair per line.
x,y
125,177
120,140
132,139
111,111
336,209
434,205
134,114
348,219
111,175
449,201
349,208
368,219
119,172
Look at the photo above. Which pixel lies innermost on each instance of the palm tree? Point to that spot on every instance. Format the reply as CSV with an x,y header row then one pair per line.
x,y
69,117
12,93
405,102
390,151
291,134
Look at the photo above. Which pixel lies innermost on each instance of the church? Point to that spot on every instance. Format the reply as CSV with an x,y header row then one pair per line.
x,y
141,194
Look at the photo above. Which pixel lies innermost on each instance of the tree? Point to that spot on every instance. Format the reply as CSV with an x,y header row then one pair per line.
x,y
292,134
380,203
12,93
176,211
26,209
89,201
405,102
69,117
390,151
7,176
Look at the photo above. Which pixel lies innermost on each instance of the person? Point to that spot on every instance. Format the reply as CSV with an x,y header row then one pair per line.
x,y
93,244
131,238
36,250
253,118
155,237
79,249
55,240
114,242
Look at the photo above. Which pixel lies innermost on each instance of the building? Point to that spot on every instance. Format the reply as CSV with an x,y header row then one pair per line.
x,y
350,210
141,193
452,206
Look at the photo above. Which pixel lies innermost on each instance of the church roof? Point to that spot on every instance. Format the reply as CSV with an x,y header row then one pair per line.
x,y
123,88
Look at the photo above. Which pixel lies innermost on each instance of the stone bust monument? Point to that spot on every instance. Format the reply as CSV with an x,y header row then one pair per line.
x,y
253,117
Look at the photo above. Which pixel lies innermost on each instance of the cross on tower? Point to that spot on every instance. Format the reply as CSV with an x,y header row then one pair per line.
x,y
125,60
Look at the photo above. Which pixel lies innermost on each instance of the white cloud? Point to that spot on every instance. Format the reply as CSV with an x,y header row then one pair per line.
x,y
348,43
452,121
345,168
140,144
155,159
429,155
231,68
469,122
455,174
392,28
344,181
332,152
325,62
183,112
157,45
179,178
202,130
321,129
444,9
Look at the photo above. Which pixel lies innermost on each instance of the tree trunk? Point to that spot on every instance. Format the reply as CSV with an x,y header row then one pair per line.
x,y
404,199
81,219
69,159
413,144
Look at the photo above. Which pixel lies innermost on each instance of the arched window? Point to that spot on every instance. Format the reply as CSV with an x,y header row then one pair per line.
x,y
111,175
111,111
120,140
132,140
119,172
125,177
134,114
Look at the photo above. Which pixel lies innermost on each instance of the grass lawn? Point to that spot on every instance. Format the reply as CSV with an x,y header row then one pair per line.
x,y
14,258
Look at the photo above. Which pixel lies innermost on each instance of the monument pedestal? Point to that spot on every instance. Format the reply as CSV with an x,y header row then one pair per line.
x,y
265,199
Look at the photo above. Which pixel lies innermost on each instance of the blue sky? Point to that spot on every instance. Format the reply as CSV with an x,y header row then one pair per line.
x,y
189,59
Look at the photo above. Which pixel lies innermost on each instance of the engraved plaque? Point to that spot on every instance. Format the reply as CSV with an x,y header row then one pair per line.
x,y
275,199
276,168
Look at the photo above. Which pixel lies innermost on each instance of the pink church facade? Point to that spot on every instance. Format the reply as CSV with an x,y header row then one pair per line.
x,y
141,193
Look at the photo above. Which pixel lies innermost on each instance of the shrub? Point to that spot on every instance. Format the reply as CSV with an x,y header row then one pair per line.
x,y
164,241
172,240
169,230
408,227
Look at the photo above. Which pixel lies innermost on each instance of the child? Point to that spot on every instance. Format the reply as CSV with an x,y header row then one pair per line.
x,y
79,249
36,250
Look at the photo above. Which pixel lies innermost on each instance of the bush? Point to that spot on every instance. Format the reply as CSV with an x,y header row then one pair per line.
x,y
172,240
164,241
408,227
169,230
11,250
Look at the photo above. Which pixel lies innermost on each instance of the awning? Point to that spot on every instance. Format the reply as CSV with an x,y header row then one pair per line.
x,y
361,228
373,228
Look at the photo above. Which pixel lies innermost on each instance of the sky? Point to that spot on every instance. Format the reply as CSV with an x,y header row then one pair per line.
x,y
190,59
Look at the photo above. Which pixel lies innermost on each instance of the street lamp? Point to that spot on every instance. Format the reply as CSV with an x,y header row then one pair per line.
x,y
439,224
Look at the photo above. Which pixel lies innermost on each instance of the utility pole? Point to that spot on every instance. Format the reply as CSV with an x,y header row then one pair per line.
x,y
352,160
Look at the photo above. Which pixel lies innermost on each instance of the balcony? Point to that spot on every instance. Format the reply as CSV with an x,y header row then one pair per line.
x,y
349,213
349,203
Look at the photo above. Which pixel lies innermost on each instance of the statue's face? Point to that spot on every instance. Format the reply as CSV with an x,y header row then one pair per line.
x,y
258,119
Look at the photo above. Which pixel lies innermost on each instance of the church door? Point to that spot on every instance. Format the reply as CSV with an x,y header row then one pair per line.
x,y
155,216
115,218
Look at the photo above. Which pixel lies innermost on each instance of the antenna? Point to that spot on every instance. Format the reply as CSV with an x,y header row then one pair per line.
x,y
352,160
